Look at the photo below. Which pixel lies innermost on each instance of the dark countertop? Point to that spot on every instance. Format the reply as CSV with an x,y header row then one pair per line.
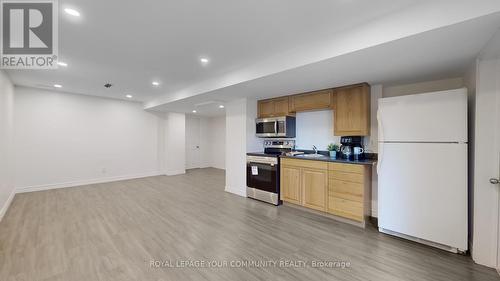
x,y
328,159
324,159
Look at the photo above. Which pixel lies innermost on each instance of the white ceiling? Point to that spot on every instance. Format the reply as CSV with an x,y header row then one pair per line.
x,y
257,48
130,43
442,53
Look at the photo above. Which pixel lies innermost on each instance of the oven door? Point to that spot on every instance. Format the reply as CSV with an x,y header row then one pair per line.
x,y
262,176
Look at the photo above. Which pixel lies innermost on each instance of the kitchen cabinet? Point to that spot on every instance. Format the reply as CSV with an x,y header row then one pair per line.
x,y
273,107
290,184
352,111
350,105
342,190
349,191
312,101
304,183
314,186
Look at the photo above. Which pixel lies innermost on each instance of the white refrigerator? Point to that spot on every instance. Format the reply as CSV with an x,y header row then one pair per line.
x,y
422,168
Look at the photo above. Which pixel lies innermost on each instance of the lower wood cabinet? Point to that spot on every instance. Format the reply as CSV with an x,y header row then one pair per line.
x,y
304,183
346,208
343,190
290,180
314,187
349,191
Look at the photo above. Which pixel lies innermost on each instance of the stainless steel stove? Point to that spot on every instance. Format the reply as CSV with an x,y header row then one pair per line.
x,y
263,171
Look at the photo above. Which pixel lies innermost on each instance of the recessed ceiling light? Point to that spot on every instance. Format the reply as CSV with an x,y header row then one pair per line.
x,y
155,83
204,60
72,12
221,106
61,63
194,111
128,96
57,86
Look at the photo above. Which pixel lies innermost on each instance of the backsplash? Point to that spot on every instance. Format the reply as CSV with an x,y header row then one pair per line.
x,y
315,128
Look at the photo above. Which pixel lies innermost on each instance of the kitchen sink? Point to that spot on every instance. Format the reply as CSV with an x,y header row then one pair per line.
x,y
311,155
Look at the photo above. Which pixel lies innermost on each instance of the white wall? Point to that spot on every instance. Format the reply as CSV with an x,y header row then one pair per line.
x,y
7,190
371,142
423,87
217,142
240,139
62,139
174,143
315,128
487,161
253,143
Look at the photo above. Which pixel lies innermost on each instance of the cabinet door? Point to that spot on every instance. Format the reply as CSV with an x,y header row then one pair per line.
x,y
266,108
314,186
311,101
290,185
281,106
352,114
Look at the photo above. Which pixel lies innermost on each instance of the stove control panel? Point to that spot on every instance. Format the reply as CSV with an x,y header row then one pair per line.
x,y
286,143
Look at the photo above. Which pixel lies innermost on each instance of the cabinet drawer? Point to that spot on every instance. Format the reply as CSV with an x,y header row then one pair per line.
x,y
349,168
304,163
343,176
346,208
346,190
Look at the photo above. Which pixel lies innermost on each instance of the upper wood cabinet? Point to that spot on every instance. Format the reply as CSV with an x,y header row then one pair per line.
x,y
352,111
351,105
312,101
273,107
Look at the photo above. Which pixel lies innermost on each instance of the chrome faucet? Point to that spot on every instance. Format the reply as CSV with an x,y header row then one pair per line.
x,y
315,149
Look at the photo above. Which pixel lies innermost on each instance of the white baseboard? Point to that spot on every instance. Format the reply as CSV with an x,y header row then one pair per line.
x,y
238,191
83,182
175,172
6,206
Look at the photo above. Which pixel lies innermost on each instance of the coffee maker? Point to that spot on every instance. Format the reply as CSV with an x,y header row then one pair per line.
x,y
351,148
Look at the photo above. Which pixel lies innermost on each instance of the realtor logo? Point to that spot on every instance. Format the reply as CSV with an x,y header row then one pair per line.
x,y
29,34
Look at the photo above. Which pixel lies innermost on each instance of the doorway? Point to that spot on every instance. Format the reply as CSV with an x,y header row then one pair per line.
x,y
193,135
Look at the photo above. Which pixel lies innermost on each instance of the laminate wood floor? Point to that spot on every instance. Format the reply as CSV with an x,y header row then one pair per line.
x,y
114,231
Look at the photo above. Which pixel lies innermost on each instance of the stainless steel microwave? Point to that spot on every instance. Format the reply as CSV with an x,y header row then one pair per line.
x,y
275,127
